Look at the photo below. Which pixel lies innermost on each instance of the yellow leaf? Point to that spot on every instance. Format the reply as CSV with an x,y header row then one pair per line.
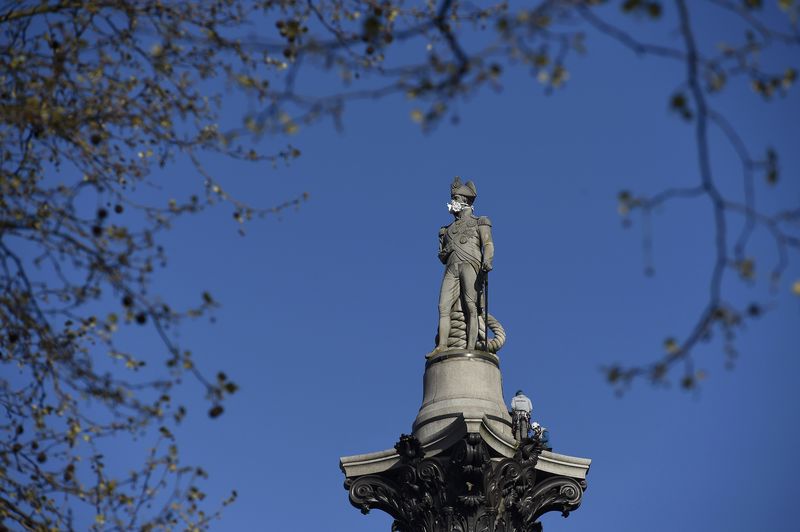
x,y
543,77
747,268
671,346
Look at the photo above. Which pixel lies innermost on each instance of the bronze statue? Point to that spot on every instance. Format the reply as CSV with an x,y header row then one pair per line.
x,y
467,251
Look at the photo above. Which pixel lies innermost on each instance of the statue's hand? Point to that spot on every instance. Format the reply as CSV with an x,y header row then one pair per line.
x,y
486,266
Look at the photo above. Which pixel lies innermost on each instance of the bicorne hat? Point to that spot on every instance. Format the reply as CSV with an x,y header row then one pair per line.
x,y
465,189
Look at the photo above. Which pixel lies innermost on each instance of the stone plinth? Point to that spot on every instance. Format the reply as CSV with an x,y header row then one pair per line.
x,y
460,383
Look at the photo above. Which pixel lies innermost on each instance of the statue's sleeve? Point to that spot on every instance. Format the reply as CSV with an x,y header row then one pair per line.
x,y
485,232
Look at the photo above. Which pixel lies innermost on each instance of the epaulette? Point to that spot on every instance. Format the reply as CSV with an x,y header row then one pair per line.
x,y
442,230
484,220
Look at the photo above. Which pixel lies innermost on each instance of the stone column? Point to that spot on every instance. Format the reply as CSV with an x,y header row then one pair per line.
x,y
461,470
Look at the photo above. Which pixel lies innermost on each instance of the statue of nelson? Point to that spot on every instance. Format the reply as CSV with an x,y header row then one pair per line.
x,y
466,250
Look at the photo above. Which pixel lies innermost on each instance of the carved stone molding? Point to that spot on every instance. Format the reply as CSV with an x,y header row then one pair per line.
x,y
465,489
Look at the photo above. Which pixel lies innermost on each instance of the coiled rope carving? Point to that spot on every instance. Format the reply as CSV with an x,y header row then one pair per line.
x,y
458,331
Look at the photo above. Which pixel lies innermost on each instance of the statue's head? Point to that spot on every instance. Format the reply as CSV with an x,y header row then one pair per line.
x,y
519,392
461,194
467,190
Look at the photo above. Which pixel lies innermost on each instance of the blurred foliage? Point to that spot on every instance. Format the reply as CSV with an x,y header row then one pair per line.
x,y
95,95
707,75
98,94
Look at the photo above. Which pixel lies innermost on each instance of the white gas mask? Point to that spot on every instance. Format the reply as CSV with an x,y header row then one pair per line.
x,y
455,206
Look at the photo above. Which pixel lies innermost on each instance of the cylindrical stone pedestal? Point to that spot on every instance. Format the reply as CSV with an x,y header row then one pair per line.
x,y
459,382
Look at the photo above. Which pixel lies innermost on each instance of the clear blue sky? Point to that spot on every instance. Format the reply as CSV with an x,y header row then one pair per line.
x,y
328,312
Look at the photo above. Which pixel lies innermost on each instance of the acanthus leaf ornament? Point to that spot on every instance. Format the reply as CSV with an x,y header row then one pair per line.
x,y
463,489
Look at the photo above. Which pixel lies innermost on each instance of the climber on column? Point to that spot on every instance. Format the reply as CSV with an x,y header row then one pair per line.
x,y
521,408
